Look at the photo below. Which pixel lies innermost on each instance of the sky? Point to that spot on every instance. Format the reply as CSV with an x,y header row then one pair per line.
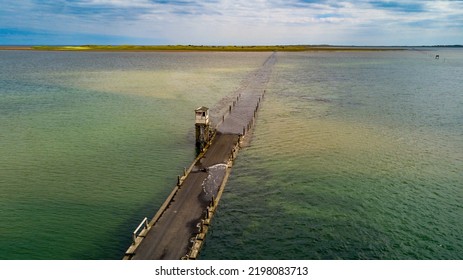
x,y
227,22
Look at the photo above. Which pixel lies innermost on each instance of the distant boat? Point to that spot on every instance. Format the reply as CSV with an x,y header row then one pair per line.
x,y
437,56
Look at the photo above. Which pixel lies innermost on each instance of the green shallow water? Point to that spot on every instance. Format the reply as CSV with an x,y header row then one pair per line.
x,y
354,155
93,142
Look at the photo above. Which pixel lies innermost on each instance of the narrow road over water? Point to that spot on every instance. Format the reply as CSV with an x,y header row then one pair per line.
x,y
169,237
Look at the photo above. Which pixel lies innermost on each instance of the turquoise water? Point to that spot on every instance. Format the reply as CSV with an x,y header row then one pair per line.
x,y
354,155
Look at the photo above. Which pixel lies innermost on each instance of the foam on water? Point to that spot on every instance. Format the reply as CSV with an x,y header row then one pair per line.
x,y
211,184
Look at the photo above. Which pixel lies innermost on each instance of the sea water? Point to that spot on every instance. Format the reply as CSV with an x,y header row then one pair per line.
x,y
355,155
91,143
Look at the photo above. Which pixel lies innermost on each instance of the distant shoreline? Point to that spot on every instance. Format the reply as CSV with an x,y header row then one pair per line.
x,y
187,48
205,48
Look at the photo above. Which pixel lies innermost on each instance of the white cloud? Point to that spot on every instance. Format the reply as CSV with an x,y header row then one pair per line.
x,y
246,21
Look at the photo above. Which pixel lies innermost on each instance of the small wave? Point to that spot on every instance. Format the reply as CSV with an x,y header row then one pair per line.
x,y
211,184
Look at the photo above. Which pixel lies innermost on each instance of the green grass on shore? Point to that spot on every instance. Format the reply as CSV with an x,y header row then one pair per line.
x,y
289,48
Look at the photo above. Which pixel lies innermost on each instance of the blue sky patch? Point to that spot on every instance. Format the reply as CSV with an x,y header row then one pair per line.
x,y
406,7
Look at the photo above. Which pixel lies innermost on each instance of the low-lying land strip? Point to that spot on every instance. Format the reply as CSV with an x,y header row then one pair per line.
x,y
287,48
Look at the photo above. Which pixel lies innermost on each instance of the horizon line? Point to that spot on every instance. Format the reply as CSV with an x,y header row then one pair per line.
x,y
225,45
